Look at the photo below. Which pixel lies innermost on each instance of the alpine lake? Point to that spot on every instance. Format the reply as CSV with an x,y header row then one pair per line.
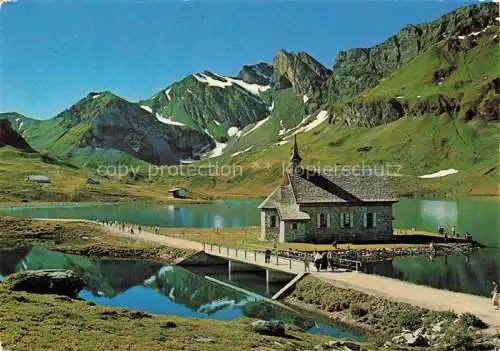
x,y
200,293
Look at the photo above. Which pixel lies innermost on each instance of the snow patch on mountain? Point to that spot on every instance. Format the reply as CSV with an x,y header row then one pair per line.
x,y
320,118
254,89
438,174
96,96
167,94
257,125
305,125
203,78
241,152
283,142
305,98
232,131
282,131
217,122
147,108
473,34
223,82
168,120
271,108
219,147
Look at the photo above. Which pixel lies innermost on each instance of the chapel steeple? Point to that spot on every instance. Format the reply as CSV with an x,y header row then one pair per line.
x,y
295,159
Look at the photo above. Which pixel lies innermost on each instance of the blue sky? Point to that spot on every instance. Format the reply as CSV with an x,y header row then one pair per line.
x,y
53,52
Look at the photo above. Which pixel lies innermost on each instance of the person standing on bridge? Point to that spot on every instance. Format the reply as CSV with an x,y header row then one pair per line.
x,y
494,295
329,257
306,262
317,260
267,256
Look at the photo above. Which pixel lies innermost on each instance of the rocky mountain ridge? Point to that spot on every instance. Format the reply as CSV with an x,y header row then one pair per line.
x,y
9,137
439,68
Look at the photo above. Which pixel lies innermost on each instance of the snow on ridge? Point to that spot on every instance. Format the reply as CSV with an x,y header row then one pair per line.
x,y
217,122
438,174
203,78
254,89
167,94
241,152
20,126
305,98
18,119
257,125
169,120
96,96
147,108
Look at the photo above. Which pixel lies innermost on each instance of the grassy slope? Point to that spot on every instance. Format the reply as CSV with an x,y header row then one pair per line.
x,y
473,69
67,184
420,145
45,321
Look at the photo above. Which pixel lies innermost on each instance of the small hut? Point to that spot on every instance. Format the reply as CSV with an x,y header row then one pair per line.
x,y
38,178
178,193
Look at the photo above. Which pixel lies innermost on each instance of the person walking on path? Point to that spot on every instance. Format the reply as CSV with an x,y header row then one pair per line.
x,y
329,257
306,262
317,260
494,295
453,231
267,256
140,229
157,230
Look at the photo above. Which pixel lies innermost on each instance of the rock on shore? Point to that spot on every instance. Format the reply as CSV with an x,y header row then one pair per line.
x,y
49,281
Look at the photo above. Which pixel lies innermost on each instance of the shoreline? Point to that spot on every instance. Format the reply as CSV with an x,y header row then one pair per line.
x,y
211,198
49,231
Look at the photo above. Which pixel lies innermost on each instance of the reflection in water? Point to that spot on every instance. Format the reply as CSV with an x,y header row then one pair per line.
x,y
479,216
158,288
440,213
471,273
219,221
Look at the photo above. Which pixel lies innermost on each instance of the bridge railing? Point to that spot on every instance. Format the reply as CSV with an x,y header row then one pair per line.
x,y
277,257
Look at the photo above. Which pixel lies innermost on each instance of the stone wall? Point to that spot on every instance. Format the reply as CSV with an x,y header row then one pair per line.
x,y
358,232
295,235
270,233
